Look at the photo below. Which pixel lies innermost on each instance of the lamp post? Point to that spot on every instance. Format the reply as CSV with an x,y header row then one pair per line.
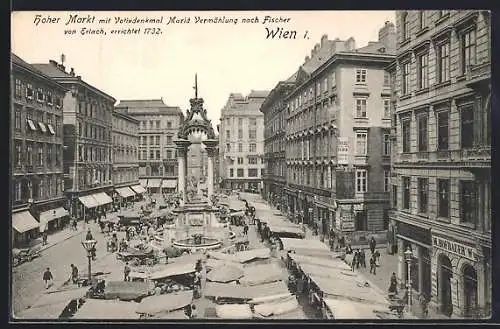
x,y
89,245
408,257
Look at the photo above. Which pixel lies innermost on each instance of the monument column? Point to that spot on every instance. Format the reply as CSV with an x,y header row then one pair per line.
x,y
182,147
210,146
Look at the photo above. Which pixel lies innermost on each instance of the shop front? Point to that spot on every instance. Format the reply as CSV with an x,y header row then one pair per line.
x,y
154,185
123,196
461,276
24,228
418,240
53,220
325,214
168,186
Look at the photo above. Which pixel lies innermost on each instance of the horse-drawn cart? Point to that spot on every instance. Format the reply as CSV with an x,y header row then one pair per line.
x,y
25,255
138,257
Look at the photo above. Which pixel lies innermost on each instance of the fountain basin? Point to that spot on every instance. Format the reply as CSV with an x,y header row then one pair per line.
x,y
205,244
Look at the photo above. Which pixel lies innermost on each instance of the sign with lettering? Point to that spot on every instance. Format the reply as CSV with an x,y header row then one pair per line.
x,y
342,150
455,248
414,232
347,219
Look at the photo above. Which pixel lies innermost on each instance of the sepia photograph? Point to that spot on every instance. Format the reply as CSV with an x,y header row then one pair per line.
x,y
250,165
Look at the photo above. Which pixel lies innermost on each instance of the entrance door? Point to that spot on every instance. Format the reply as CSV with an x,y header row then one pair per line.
x,y
445,275
470,290
426,271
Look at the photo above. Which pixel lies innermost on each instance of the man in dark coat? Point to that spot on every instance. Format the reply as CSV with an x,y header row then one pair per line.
x,y
74,274
89,235
373,244
47,278
363,258
373,267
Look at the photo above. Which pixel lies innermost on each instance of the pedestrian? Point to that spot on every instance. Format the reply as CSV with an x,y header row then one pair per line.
x,y
373,244
126,272
102,225
363,258
358,258
74,224
245,229
194,313
89,236
47,278
393,286
353,262
377,258
373,268
74,274
44,237
188,311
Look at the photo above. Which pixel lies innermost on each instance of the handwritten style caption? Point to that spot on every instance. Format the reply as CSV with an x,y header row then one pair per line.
x,y
91,25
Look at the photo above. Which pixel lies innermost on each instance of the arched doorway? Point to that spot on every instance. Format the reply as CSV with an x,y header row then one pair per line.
x,y
470,290
445,271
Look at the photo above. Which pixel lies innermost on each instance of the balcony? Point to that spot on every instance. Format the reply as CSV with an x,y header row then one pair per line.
x,y
478,74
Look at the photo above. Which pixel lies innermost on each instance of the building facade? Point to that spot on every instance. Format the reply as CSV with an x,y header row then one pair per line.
x,y
241,142
275,115
125,174
88,146
158,128
441,189
36,147
338,156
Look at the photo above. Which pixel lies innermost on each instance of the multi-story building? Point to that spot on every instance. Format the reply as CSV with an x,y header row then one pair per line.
x,y
87,142
36,147
443,161
158,128
241,141
338,156
125,175
275,115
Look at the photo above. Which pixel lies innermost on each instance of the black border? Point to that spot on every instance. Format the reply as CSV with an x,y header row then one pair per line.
x,y
267,5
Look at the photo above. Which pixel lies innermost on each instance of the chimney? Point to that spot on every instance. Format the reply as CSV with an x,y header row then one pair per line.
x,y
53,62
324,38
61,67
387,36
79,77
306,59
72,72
350,44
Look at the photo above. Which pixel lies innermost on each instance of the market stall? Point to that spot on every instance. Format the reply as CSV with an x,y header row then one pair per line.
x,y
98,309
233,311
261,274
127,290
251,255
240,292
267,310
332,262
173,269
347,310
213,263
163,304
225,274
308,247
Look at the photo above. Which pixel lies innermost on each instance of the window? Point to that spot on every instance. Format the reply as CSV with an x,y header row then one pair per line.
x,y
423,69
151,155
17,118
406,78
228,147
158,155
19,154
240,122
252,134
406,27
443,198
231,172
58,102
406,135
18,89
228,134
361,143
422,22
361,108
157,124
49,155
468,47
157,140
467,127
394,196
169,124
423,195
239,173
40,155
151,140
240,160
360,76
49,98
240,133
386,145
387,79
40,96
253,122
468,202
361,220
443,60
29,91
240,147
169,154
422,133
406,193
253,172
169,140
252,160
253,147
361,181
325,84
442,131
387,180
387,108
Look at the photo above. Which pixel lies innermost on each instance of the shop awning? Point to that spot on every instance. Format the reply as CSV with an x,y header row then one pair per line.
x,y
139,189
169,183
31,124
154,183
143,182
102,198
42,127
125,192
23,222
50,215
51,129
88,201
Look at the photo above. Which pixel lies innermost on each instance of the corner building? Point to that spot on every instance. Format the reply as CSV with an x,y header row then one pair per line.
x,y
338,126
441,188
36,147
158,127
88,146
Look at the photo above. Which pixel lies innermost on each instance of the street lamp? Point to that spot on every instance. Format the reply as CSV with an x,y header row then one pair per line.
x,y
408,257
89,246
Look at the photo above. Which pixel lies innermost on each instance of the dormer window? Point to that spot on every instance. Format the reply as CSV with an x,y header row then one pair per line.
x,y
39,96
29,91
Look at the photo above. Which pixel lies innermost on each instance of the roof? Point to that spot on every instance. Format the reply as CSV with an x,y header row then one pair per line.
x,y
293,77
374,48
321,56
19,61
258,93
138,106
52,71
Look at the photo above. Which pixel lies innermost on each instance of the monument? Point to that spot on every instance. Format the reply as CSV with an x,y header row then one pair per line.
x,y
196,224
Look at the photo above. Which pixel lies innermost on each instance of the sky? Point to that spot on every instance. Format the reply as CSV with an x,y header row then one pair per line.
x,y
228,57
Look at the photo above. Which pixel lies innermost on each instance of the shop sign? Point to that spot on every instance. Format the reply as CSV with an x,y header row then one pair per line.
x,y
455,248
414,232
342,150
